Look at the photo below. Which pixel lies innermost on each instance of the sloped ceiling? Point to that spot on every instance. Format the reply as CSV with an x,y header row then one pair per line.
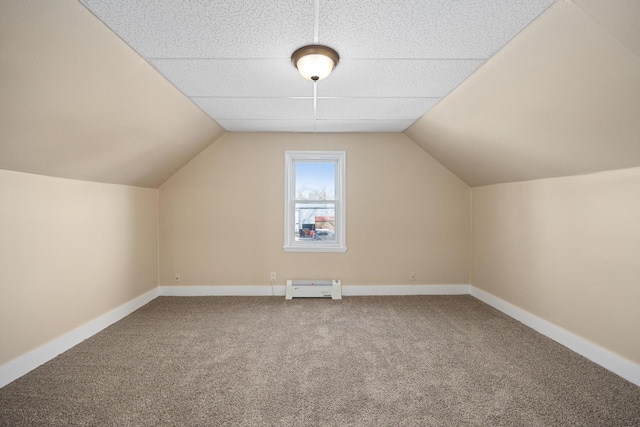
x,y
77,102
562,98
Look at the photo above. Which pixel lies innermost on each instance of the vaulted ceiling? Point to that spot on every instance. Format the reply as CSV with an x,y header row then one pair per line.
x,y
490,95
563,98
76,102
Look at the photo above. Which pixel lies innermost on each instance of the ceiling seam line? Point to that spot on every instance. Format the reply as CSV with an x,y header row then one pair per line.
x,y
311,97
202,58
316,21
315,101
320,120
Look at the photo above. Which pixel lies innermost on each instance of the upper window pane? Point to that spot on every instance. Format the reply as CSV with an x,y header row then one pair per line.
x,y
315,180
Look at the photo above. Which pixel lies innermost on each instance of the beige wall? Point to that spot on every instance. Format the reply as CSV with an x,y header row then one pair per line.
x,y
76,101
566,250
221,216
70,251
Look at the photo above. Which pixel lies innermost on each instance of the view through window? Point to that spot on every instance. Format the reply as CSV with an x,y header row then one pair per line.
x,y
314,205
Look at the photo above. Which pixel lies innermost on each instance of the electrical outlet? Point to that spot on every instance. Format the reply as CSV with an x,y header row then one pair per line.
x,y
412,276
177,278
272,276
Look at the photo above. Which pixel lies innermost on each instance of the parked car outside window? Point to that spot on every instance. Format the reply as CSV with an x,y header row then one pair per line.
x,y
324,234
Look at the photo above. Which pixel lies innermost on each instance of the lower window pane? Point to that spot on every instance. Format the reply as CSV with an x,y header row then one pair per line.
x,y
315,222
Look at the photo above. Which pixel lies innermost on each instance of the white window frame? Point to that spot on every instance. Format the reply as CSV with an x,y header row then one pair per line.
x,y
290,244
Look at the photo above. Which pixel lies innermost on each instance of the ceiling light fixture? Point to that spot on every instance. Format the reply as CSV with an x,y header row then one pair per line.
x,y
315,62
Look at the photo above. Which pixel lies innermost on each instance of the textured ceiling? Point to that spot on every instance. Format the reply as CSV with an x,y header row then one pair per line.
x,y
560,98
398,58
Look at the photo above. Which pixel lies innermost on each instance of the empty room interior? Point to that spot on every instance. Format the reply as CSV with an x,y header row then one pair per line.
x,y
478,226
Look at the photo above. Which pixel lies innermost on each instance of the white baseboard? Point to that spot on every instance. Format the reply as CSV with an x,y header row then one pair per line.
x,y
617,364
279,290
221,291
364,290
603,357
18,367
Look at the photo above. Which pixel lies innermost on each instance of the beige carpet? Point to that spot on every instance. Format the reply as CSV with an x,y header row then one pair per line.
x,y
370,361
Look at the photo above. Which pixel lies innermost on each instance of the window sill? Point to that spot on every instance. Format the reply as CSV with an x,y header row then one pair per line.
x,y
318,248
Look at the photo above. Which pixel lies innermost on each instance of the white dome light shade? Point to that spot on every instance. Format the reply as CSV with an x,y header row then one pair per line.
x,y
315,62
315,67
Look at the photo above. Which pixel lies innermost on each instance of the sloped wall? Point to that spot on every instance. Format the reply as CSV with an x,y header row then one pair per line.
x,y
566,250
70,251
77,102
221,216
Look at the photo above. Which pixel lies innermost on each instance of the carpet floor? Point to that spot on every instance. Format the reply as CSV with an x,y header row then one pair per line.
x,y
362,361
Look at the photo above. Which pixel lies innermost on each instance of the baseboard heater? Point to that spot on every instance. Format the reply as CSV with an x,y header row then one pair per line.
x,y
314,288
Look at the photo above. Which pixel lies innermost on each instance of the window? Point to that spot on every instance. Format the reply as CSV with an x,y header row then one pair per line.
x,y
314,218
